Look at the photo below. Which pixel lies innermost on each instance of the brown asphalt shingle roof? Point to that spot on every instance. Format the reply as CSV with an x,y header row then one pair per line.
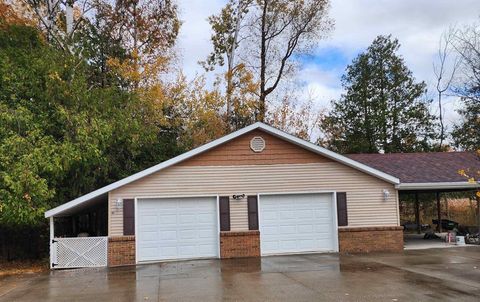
x,y
422,167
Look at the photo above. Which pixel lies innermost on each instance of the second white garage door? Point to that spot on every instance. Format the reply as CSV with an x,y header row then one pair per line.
x,y
296,223
177,228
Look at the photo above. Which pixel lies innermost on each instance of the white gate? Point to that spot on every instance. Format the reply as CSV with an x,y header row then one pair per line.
x,y
79,252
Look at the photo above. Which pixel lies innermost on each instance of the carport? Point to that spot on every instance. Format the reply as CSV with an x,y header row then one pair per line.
x,y
78,234
431,180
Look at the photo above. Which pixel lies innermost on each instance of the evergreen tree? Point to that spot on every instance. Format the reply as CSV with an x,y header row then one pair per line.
x,y
383,108
466,132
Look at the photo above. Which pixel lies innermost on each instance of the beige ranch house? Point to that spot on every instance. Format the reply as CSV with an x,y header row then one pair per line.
x,y
256,192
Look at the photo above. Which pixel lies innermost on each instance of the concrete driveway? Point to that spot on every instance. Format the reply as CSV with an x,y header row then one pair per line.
x,y
425,275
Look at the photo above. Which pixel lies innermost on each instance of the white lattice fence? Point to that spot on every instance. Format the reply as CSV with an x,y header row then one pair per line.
x,y
80,252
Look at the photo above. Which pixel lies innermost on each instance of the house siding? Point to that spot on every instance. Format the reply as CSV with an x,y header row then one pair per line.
x,y
238,152
365,202
238,214
115,216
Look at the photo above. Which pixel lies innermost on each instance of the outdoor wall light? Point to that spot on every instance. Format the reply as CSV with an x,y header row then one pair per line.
x,y
118,204
386,194
238,197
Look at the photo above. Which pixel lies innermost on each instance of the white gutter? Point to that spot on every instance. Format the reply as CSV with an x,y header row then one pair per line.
x,y
437,185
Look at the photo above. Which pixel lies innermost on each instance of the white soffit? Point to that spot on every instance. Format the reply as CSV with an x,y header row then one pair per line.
x,y
437,185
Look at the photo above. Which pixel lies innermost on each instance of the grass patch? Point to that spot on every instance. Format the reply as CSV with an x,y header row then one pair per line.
x,y
18,267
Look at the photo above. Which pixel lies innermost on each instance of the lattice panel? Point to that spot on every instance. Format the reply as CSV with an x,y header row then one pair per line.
x,y
80,252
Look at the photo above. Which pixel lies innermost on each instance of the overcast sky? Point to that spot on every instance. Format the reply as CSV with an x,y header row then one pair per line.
x,y
418,24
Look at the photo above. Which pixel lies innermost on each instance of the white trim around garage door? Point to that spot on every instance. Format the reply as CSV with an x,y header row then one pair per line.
x,y
334,210
217,198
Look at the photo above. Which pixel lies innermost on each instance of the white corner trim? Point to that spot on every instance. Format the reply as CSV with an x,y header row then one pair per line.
x,y
437,185
258,125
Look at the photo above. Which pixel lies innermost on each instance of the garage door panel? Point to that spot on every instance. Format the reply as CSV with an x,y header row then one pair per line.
x,y
149,236
148,220
177,228
205,234
167,218
305,229
205,218
187,219
296,223
168,235
288,229
167,252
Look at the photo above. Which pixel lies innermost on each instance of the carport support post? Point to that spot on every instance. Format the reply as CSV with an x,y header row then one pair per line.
x,y
417,213
52,236
478,212
439,213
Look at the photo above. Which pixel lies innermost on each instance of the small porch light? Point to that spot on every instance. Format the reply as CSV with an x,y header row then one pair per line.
x,y
119,204
386,194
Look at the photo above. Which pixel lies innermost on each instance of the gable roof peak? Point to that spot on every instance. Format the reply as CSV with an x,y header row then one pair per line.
x,y
182,157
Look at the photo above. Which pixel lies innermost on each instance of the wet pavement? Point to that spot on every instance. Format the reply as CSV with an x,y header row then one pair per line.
x,y
421,275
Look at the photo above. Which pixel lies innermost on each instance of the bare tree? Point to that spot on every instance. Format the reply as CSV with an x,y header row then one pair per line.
x,y
444,68
49,13
466,42
227,26
286,28
268,36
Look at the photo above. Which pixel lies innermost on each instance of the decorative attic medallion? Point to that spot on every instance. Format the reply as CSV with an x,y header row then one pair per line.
x,y
257,144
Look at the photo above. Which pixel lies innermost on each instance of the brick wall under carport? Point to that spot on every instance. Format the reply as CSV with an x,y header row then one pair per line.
x,y
370,239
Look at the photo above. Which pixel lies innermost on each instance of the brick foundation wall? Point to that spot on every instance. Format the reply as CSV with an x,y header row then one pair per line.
x,y
239,244
370,239
121,250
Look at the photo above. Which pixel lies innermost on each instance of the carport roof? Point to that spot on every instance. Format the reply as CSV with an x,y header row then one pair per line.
x,y
261,126
432,170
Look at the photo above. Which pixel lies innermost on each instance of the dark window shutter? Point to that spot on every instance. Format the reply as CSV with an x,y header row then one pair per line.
x,y
252,213
342,215
128,217
224,213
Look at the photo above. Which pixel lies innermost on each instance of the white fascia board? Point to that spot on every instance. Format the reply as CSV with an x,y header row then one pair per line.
x,y
295,140
437,185
330,154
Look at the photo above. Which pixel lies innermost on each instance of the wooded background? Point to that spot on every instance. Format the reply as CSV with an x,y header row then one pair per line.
x,y
91,91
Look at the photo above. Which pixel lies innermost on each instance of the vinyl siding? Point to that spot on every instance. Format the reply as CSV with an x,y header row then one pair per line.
x,y
115,215
365,203
238,152
238,214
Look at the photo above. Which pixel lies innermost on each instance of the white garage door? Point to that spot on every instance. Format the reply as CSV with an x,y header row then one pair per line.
x,y
177,228
297,223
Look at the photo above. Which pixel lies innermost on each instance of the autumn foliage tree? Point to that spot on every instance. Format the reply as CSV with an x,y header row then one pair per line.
x,y
75,121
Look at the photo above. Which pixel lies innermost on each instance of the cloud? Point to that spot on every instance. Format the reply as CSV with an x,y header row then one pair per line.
x,y
417,24
194,38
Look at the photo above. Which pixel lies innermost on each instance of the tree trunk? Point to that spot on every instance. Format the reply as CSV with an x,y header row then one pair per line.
x,y
231,64
263,59
439,213
69,17
417,214
442,128
478,213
